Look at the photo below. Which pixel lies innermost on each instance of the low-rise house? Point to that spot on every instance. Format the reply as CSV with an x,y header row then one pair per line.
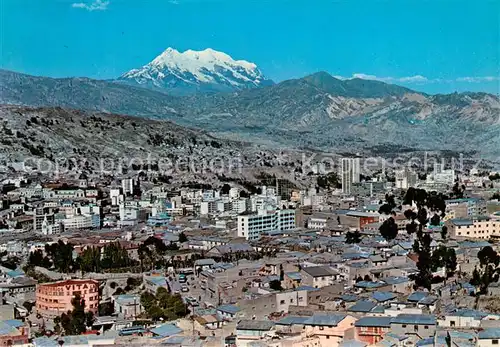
x,y
128,305
14,332
372,329
362,307
465,318
292,279
378,261
153,282
291,324
252,330
414,324
383,297
318,276
488,337
227,312
399,284
203,264
208,322
331,328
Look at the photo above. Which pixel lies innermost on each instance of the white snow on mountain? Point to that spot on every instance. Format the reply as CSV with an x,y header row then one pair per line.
x,y
207,68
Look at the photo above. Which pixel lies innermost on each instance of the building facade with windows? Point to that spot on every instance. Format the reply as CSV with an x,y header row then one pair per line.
x,y
478,227
252,226
53,299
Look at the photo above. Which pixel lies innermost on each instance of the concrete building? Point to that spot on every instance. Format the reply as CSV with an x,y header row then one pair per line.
x,y
371,330
330,328
128,306
41,215
349,172
488,337
405,178
421,325
252,226
78,222
53,299
318,276
479,227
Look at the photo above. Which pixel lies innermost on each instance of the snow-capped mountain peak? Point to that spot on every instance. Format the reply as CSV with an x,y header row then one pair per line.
x,y
207,70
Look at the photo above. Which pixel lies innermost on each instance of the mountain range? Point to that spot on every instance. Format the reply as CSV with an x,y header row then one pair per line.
x,y
195,71
232,99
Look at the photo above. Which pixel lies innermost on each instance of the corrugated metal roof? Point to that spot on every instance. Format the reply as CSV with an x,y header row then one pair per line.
x,y
383,296
489,333
325,319
291,320
166,330
374,322
260,325
362,306
416,319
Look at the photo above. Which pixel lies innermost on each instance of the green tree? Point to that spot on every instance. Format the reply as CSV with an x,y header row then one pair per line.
x,y
275,285
78,315
444,232
106,309
389,229
488,256
488,272
435,220
37,258
89,319
61,255
182,237
385,209
444,257
353,237
225,189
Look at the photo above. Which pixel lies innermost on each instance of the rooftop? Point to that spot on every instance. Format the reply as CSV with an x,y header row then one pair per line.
x,y
260,325
416,319
325,319
374,322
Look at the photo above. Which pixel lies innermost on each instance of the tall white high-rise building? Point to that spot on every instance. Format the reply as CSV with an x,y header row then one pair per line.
x,y
350,170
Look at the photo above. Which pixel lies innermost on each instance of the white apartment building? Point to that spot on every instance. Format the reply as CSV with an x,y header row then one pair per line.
x,y
116,196
50,229
405,179
77,222
239,206
252,226
259,202
350,171
129,210
313,200
317,223
234,193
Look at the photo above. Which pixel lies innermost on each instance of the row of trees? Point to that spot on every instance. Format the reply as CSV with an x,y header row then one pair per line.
x,y
59,256
113,256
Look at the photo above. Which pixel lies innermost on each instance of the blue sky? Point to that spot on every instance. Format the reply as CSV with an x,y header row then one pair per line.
x,y
437,46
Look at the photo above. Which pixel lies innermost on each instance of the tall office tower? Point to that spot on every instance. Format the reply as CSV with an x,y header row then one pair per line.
x,y
350,170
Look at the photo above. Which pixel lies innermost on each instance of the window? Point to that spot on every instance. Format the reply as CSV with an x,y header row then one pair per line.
x,y
282,302
494,342
321,328
415,327
404,325
452,323
426,327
